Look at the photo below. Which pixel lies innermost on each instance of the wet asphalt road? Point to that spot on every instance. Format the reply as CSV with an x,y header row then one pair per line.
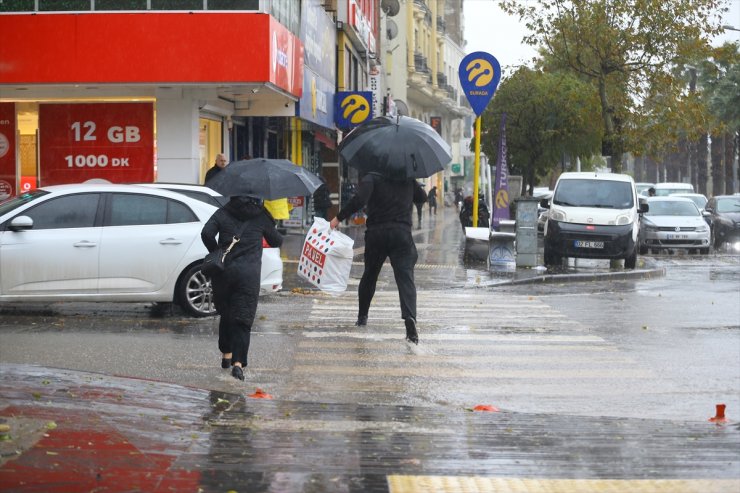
x,y
665,347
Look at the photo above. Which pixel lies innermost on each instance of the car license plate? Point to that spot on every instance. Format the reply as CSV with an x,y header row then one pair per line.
x,y
678,237
588,244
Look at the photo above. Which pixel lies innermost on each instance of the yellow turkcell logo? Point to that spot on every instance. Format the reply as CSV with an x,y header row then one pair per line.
x,y
356,108
502,199
480,72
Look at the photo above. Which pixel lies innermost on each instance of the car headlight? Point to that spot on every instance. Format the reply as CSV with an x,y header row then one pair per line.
x,y
623,220
556,215
702,229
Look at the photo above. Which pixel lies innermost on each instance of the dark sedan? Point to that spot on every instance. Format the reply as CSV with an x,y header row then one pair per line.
x,y
724,212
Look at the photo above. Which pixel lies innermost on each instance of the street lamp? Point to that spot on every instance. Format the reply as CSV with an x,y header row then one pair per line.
x,y
730,28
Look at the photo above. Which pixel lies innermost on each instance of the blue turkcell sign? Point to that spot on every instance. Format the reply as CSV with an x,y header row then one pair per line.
x,y
480,74
352,108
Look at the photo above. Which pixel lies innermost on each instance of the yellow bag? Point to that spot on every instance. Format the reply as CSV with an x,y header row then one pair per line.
x,y
280,209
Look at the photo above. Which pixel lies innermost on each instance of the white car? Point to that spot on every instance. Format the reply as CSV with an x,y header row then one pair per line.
x,y
104,242
673,222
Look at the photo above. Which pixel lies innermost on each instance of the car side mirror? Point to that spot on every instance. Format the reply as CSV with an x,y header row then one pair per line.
x,y
545,203
20,223
643,208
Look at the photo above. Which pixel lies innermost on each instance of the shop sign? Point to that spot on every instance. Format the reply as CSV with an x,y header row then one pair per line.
x,y
317,103
479,74
286,59
83,141
375,88
361,25
296,213
352,108
319,37
7,150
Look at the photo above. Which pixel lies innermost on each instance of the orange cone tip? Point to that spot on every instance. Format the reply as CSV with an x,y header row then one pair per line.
x,y
486,408
720,416
260,394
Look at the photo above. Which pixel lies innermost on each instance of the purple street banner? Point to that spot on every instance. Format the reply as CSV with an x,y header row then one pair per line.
x,y
479,74
501,183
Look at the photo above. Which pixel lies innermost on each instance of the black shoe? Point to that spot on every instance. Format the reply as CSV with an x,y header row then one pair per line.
x,y
225,363
237,372
361,320
411,334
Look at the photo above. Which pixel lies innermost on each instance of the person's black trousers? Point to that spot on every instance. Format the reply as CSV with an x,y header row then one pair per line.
x,y
397,244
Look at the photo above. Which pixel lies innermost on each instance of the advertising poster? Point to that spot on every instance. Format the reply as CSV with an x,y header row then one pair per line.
x,y
102,141
7,151
296,213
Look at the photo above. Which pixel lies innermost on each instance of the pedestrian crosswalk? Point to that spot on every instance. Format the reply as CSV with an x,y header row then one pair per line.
x,y
475,345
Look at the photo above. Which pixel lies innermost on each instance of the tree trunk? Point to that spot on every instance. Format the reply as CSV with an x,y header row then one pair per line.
x,y
702,157
610,141
732,142
718,164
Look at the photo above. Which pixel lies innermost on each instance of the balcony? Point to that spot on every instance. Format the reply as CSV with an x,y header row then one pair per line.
x,y
420,63
441,25
441,79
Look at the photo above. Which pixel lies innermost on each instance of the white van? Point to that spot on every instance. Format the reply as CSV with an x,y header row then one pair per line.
x,y
593,215
665,189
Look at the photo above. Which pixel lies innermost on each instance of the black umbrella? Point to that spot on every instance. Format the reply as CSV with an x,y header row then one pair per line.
x,y
396,147
268,179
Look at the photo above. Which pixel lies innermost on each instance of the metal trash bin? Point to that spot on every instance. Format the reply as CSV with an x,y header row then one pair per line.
x,y
501,251
526,232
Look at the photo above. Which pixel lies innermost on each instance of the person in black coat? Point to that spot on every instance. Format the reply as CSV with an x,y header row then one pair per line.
x,y
236,290
388,235
216,168
432,197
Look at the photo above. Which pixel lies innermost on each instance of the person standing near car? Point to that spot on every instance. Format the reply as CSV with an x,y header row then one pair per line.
x,y
221,163
388,235
236,290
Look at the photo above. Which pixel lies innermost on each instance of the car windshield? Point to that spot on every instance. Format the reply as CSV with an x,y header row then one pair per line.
x,y
664,192
728,204
17,201
606,194
672,208
699,200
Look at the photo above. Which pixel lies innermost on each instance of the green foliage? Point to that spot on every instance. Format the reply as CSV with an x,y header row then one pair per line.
x,y
626,48
548,116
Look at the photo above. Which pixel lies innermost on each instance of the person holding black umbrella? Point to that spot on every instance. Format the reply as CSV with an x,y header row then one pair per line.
x,y
388,235
236,290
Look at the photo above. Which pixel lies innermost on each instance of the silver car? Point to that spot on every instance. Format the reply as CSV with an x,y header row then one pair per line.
x,y
673,222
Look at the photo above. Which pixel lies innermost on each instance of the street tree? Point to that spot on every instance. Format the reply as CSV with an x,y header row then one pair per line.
x,y
626,48
548,116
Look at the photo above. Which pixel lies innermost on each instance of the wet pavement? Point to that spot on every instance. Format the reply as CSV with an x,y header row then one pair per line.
x,y
68,431
74,431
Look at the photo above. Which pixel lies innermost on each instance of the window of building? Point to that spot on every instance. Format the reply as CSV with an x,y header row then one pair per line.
x,y
210,142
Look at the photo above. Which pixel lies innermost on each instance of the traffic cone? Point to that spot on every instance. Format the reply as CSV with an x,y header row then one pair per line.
x,y
486,408
260,394
720,416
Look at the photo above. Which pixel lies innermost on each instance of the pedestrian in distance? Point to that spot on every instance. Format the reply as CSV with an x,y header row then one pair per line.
x,y
322,199
388,235
459,199
432,198
221,163
236,290
419,210
651,192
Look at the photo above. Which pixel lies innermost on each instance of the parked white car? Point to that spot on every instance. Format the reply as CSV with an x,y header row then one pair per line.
x,y
104,242
673,222
669,188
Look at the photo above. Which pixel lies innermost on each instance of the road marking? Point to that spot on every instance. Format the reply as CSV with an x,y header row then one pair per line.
x,y
477,484
459,337
489,373
382,345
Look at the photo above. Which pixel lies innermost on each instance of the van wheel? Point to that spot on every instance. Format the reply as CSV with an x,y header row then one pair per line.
x,y
630,262
552,259
194,293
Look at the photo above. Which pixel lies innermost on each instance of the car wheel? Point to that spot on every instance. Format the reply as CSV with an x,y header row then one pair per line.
x,y
704,251
630,262
194,293
552,259
643,250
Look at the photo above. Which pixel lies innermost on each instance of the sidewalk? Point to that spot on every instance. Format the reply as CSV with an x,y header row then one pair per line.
x,y
72,431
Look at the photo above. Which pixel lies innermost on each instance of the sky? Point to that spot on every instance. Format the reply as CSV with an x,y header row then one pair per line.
x,y
489,29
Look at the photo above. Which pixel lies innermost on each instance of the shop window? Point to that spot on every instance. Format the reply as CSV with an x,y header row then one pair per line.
x,y
65,5
120,4
177,4
210,141
17,6
233,4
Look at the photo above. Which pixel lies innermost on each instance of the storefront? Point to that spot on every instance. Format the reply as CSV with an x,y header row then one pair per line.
x,y
141,96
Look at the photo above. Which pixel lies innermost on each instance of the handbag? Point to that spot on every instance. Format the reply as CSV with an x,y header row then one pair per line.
x,y
215,262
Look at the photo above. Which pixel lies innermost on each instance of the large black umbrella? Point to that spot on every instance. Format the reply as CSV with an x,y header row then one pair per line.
x,y
268,179
396,147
